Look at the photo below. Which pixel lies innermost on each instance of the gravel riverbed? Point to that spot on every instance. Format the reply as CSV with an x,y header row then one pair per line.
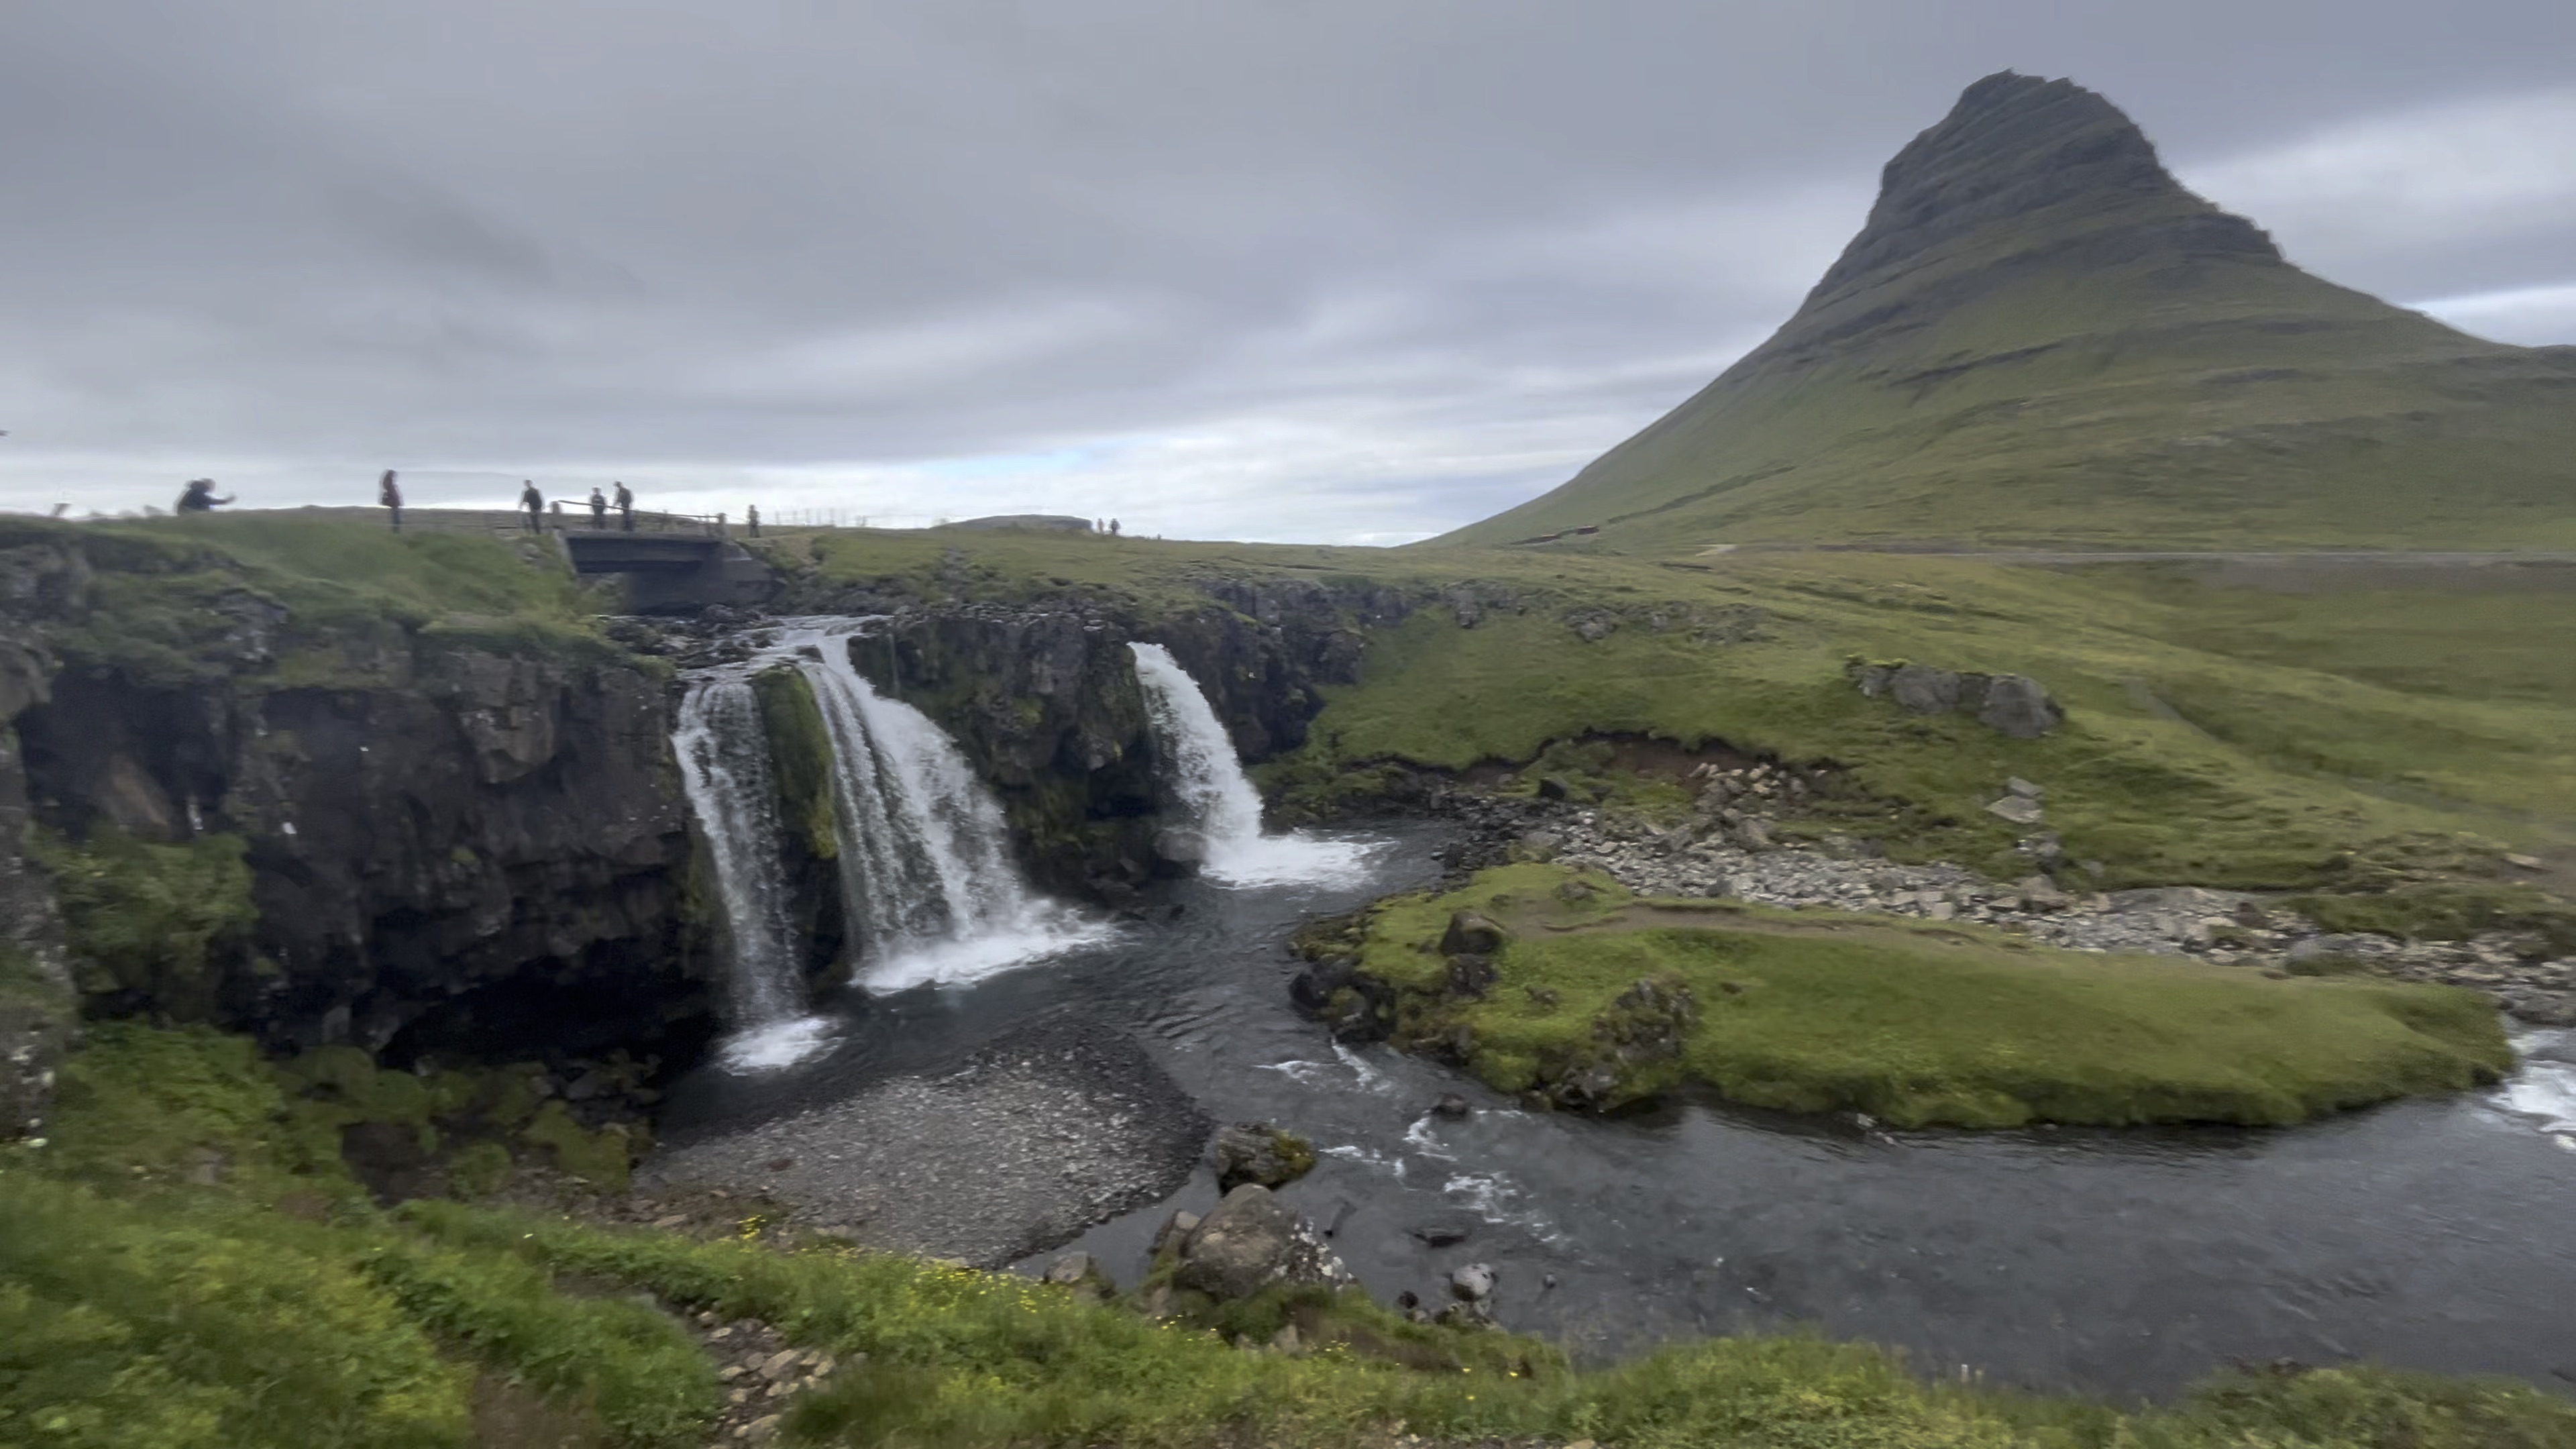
x,y
1033,1139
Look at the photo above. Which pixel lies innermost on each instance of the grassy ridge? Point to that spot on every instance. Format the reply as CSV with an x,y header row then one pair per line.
x,y
2228,725
1918,1025
146,1305
188,601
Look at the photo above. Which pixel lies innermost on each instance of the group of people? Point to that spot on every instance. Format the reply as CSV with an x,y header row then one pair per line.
x,y
534,503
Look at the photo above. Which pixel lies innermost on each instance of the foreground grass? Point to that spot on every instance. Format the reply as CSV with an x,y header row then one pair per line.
x,y
1918,1025
148,1304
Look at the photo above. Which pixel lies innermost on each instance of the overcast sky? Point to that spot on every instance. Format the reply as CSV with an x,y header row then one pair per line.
x,y
1307,269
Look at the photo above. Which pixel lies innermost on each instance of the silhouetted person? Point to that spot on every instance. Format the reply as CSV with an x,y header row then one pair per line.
x,y
598,509
535,502
751,518
625,508
199,497
1113,528
391,497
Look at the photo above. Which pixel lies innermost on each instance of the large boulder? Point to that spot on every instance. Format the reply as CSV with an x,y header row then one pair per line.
x,y
1260,1153
1250,1242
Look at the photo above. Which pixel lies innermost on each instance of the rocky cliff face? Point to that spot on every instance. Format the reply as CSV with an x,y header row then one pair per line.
x,y
452,842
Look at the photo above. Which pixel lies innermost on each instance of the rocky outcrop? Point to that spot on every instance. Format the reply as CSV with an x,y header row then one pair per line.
x,y
1257,1152
2009,704
453,842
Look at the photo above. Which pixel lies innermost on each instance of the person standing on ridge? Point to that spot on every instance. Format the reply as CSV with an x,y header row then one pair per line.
x,y
199,497
598,510
391,497
1113,528
625,508
535,502
751,518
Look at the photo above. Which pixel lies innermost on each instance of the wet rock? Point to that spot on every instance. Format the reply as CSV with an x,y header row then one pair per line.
x,y
1445,1234
1451,1105
1258,1152
1251,1241
1473,1283
1180,847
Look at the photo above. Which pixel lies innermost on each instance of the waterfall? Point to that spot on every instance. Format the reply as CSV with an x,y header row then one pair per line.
x,y
1214,797
928,885
926,869
724,768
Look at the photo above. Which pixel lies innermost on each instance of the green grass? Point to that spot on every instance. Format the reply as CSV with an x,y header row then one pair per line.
x,y
1919,1025
145,1307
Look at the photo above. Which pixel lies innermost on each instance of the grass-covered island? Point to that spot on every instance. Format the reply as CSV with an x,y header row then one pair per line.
x,y
187,1260
1557,982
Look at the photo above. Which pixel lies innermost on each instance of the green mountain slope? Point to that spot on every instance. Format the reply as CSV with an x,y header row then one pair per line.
x,y
2040,337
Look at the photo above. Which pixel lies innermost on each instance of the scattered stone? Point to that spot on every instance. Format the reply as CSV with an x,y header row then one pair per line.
x,y
2019,809
2526,862
1083,1274
1553,787
1473,1283
1470,934
2025,789
1451,1105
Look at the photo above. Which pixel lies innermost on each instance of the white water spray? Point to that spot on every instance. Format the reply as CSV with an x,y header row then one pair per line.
x,y
724,768
926,872
1215,798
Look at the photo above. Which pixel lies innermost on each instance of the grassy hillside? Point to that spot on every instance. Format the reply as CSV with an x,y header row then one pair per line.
x,y
2041,338
1918,1025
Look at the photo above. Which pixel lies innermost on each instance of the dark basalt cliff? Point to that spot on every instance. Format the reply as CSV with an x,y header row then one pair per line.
x,y
437,841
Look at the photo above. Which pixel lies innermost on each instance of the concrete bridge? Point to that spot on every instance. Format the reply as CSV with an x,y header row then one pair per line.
x,y
672,572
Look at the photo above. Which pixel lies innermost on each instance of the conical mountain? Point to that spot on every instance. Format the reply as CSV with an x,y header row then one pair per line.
x,y
2042,338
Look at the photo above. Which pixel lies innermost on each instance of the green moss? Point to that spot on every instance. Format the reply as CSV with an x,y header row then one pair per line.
x,y
800,757
602,1157
162,921
478,1170
1914,1024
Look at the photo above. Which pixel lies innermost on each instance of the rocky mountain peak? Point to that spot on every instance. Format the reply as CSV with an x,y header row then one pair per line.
x,y
2031,157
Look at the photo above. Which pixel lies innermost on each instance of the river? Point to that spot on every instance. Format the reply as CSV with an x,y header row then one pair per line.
x,y
2425,1234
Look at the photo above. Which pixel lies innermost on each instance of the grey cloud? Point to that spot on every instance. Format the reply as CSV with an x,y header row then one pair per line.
x,y
1316,270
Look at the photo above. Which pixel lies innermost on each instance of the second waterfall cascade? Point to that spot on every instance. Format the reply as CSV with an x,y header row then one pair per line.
x,y
1216,798
928,885
927,878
